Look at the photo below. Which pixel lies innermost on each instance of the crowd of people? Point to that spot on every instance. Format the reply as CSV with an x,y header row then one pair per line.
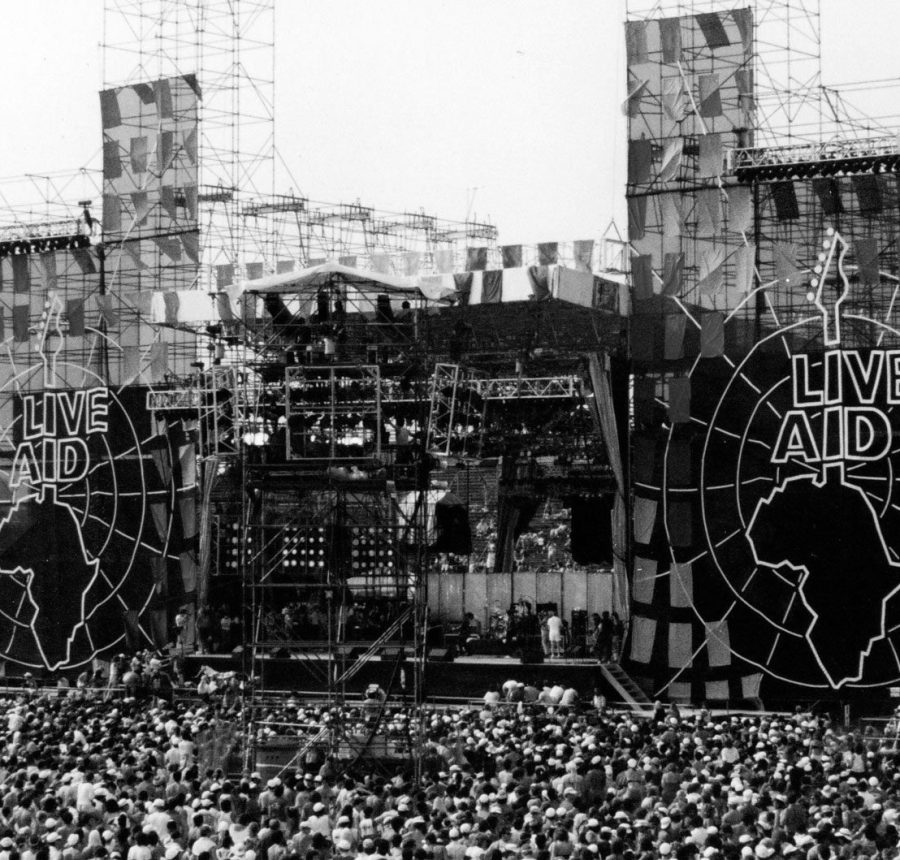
x,y
529,773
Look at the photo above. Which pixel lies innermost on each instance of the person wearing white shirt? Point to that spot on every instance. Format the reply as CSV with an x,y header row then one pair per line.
x,y
554,633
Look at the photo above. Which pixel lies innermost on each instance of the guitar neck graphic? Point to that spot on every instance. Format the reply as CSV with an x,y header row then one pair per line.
x,y
831,293
51,339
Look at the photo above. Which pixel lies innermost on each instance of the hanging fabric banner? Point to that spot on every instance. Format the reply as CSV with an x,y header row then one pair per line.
x,y
640,156
712,335
443,260
670,39
583,252
710,158
712,271
672,214
680,399
642,276
708,210
492,286
787,270
637,216
636,91
636,42
673,271
674,99
745,268
867,260
674,343
511,256
713,30
548,253
671,161
710,101
740,209
476,259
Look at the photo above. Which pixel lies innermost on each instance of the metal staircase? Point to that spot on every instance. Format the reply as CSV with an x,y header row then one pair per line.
x,y
631,694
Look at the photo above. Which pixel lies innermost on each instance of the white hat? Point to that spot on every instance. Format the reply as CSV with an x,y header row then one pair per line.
x,y
765,848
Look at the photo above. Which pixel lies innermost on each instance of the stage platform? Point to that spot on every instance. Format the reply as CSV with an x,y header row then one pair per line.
x,y
465,677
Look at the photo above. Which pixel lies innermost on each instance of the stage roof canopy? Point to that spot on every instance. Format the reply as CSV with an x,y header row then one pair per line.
x,y
329,274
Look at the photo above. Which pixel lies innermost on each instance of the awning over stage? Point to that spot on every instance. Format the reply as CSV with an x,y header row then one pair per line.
x,y
358,288
328,274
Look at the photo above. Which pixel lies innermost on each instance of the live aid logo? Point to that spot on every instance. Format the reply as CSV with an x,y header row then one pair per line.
x,y
54,427
836,414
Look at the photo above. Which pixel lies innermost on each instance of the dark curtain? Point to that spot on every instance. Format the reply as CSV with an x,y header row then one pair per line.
x,y
592,531
75,315
451,523
786,208
868,193
21,316
829,193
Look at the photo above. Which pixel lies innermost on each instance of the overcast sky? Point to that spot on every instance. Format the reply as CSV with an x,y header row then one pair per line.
x,y
507,110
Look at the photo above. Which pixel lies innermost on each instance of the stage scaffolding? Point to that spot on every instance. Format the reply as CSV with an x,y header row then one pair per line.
x,y
184,208
305,533
740,157
741,160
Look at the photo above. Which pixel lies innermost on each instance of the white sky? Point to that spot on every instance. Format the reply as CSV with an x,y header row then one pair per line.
x,y
504,109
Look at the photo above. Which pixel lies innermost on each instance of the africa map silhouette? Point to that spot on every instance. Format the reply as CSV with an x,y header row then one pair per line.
x,y
45,574
828,531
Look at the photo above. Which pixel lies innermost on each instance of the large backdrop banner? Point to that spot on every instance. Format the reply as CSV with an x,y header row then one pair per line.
x,y
98,524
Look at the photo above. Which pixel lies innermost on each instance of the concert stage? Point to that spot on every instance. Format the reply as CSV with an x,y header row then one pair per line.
x,y
465,677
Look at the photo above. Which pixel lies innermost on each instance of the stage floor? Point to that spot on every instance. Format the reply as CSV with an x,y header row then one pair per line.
x,y
506,659
464,677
